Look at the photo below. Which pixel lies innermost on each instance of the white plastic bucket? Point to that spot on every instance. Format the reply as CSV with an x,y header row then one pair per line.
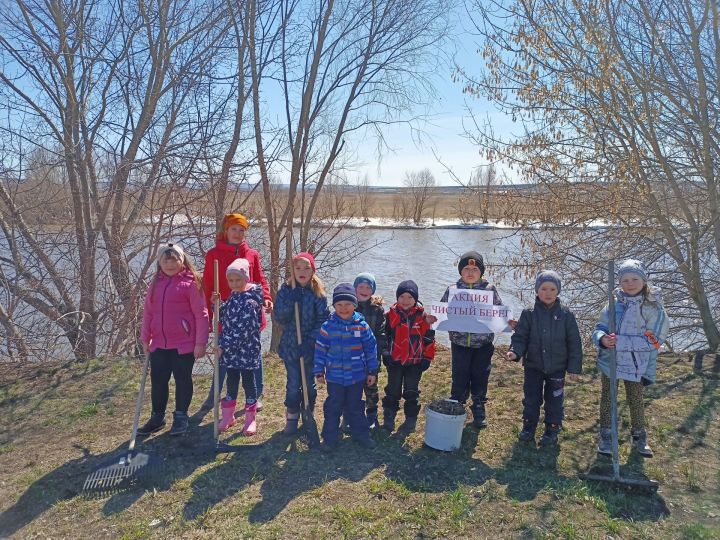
x,y
443,431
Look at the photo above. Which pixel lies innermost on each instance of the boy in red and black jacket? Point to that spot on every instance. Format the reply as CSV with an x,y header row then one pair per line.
x,y
410,349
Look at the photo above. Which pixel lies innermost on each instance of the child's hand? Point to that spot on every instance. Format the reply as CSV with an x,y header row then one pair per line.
x,y
371,379
268,306
320,378
574,377
608,341
430,318
511,356
219,351
215,297
512,323
199,351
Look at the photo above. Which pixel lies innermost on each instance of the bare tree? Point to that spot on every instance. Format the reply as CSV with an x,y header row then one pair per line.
x,y
619,103
364,197
420,187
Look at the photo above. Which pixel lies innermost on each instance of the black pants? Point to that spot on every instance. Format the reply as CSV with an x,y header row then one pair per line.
x,y
403,381
539,385
248,382
470,373
163,364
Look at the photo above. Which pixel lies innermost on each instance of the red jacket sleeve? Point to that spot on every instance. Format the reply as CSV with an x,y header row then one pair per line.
x,y
259,276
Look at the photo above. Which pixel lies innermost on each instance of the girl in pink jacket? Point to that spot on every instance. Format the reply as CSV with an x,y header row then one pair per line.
x,y
174,333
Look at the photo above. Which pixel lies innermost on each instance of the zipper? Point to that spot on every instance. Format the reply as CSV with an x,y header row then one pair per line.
x,y
162,312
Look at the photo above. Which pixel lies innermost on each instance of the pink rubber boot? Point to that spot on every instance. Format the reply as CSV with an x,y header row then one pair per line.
x,y
228,414
250,427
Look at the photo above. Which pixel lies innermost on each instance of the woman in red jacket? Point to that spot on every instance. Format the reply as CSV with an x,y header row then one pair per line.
x,y
231,245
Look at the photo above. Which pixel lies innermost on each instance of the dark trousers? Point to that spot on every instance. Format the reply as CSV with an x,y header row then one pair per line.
x,y
470,373
539,386
348,400
248,383
163,364
259,381
403,381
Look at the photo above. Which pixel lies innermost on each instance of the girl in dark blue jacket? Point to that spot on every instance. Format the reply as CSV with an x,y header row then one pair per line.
x,y
309,294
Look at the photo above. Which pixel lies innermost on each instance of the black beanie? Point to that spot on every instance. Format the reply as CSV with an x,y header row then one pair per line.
x,y
346,292
471,258
409,287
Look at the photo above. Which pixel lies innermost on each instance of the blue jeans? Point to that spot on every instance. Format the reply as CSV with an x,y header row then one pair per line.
x,y
348,400
539,387
259,380
293,387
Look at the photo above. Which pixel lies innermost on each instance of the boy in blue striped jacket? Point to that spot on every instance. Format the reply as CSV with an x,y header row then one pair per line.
x,y
345,358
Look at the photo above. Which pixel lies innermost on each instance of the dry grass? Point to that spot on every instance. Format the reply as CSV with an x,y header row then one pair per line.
x,y
60,422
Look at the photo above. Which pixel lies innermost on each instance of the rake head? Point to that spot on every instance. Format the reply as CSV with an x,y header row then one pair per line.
x,y
130,470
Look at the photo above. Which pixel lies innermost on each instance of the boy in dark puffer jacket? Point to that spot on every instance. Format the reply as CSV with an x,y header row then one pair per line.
x,y
548,340
371,308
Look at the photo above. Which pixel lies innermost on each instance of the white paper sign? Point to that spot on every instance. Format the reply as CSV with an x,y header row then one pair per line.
x,y
469,310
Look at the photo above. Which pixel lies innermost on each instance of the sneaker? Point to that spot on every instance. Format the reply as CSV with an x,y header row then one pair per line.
x,y
639,438
479,420
550,436
181,423
366,443
156,423
528,431
604,446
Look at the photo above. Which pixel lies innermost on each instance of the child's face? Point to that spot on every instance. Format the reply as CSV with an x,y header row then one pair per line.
x,y
363,291
302,271
470,274
406,301
344,309
236,282
547,293
235,234
631,284
170,265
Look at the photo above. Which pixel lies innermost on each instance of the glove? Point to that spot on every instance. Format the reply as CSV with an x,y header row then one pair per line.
x,y
424,364
296,294
387,359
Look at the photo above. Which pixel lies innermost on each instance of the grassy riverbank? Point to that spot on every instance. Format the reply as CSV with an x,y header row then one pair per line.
x,y
60,422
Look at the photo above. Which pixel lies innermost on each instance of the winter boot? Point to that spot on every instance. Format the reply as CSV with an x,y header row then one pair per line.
x,y
639,437
604,446
528,431
291,422
181,423
409,424
389,420
550,437
156,423
250,427
228,414
372,419
478,411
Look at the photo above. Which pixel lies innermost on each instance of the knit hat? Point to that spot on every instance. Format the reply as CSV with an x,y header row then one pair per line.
x,y
344,292
365,277
228,221
471,258
176,249
409,287
308,257
239,266
550,276
632,266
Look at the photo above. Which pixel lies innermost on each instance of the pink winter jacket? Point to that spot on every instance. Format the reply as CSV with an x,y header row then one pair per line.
x,y
175,315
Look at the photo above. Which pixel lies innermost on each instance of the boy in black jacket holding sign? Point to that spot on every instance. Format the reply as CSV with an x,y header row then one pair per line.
x,y
547,338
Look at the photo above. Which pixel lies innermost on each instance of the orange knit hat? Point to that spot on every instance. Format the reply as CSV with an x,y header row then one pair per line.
x,y
229,221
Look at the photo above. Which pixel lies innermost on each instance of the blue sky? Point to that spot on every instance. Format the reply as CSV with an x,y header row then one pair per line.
x,y
442,134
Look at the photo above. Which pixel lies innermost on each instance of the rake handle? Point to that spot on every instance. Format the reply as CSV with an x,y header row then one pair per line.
x,y
138,404
613,372
298,333
216,356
